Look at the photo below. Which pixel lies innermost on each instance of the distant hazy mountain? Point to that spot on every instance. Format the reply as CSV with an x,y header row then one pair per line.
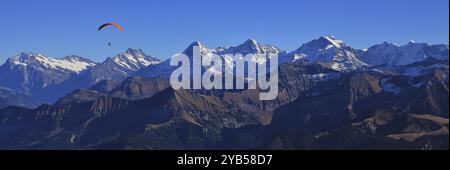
x,y
393,54
416,68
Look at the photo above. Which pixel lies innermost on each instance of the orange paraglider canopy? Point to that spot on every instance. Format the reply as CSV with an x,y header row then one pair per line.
x,y
109,24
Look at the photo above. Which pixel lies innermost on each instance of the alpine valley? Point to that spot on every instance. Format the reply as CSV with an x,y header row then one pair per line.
x,y
331,96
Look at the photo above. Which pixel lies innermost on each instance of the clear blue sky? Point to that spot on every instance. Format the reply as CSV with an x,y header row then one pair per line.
x,y
164,27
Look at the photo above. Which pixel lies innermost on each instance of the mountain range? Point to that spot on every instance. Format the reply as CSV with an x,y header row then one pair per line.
x,y
47,79
331,96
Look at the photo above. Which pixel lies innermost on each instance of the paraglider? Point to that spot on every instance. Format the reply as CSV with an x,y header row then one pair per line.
x,y
120,28
110,24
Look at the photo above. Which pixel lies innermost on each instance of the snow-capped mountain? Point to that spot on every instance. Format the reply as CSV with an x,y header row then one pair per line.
x,y
118,67
132,59
46,79
34,74
329,51
164,69
393,54
250,46
69,63
28,71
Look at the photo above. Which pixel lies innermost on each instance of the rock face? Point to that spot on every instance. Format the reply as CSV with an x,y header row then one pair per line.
x,y
9,97
135,88
105,86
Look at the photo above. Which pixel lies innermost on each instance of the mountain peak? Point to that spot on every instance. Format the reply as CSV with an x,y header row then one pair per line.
x,y
197,43
20,59
385,44
393,54
131,53
251,42
27,55
323,42
25,58
134,59
72,57
189,50
249,46
329,50
134,51
329,37
414,44
23,54
332,40
76,58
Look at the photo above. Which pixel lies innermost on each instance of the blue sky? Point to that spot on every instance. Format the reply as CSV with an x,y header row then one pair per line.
x,y
164,27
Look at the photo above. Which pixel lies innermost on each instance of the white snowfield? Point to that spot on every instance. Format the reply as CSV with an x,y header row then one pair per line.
x,y
72,64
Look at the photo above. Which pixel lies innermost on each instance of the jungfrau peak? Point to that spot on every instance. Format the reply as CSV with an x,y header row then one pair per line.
x,y
329,51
